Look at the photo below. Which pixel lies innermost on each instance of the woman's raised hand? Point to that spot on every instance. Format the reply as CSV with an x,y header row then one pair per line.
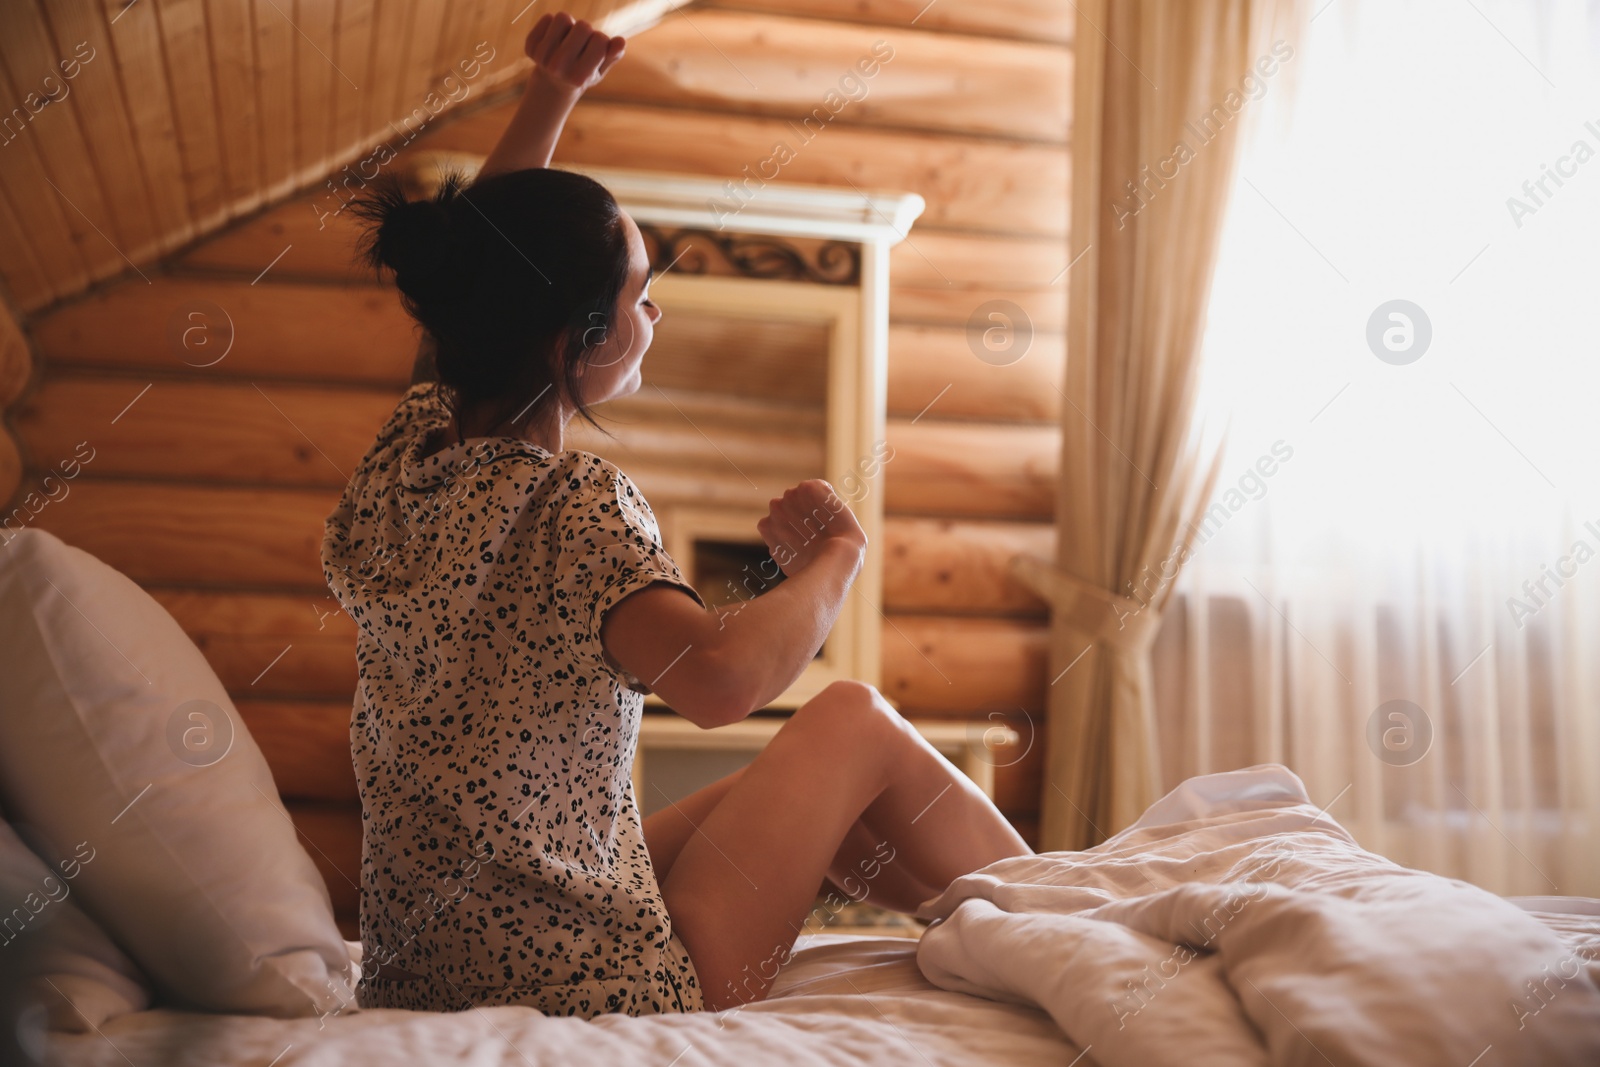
x,y
806,521
571,54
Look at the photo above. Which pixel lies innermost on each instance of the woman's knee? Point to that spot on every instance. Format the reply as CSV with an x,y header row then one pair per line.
x,y
853,707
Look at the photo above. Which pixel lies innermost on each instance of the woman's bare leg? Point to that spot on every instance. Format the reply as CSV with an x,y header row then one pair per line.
x,y
667,829
865,870
740,888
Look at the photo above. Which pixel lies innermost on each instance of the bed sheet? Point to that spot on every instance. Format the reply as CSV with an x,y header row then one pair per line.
x,y
843,998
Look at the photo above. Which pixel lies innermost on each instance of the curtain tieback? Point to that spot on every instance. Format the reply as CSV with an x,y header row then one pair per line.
x,y
1121,622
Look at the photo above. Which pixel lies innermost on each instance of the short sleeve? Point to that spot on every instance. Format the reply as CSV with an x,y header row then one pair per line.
x,y
610,546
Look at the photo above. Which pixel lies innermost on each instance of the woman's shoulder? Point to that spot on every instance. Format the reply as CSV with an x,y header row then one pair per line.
x,y
586,469
593,479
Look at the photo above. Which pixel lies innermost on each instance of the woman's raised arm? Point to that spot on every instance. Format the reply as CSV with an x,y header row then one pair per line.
x,y
568,58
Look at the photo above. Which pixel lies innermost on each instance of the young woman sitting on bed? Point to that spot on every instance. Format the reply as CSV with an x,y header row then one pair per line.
x,y
514,600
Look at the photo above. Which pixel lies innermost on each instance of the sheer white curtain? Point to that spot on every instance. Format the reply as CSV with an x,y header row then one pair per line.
x,y
1396,590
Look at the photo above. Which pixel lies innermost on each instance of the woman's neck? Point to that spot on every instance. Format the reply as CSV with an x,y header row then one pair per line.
x,y
547,433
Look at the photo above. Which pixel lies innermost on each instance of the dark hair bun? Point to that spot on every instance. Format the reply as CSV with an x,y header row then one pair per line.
x,y
506,274
416,240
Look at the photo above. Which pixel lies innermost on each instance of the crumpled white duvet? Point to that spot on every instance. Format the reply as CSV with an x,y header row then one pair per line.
x,y
1237,924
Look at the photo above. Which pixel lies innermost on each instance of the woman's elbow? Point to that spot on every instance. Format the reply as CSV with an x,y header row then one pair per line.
x,y
717,693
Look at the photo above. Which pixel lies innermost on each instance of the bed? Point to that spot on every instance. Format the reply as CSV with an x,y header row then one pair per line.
x,y
1234,923
1015,976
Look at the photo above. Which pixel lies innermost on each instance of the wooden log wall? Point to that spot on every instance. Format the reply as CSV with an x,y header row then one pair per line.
x,y
212,477
16,367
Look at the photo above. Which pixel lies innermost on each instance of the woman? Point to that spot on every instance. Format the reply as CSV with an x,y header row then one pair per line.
x,y
514,600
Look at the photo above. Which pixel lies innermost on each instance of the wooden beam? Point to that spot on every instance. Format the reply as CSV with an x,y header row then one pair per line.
x,y
244,636
626,17
841,73
952,566
268,538
963,668
969,183
238,433
931,257
947,306
307,745
195,535
16,358
1028,20
210,616
194,111
331,835
16,369
305,238
229,432
978,471
935,370
306,332
322,87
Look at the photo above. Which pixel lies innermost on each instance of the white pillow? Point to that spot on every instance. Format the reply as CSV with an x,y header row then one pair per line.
x,y
68,964
114,731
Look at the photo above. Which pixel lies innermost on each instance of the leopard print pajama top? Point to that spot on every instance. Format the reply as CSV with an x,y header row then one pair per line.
x,y
503,860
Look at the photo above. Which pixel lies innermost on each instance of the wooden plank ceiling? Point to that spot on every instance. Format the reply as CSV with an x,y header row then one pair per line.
x,y
128,128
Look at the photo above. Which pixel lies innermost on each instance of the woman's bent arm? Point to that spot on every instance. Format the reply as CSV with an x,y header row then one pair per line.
x,y
716,668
